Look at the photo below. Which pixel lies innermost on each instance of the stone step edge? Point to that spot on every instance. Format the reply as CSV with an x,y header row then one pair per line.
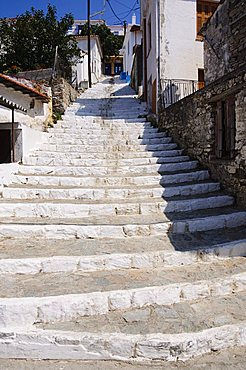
x,y
122,261
66,345
71,231
27,311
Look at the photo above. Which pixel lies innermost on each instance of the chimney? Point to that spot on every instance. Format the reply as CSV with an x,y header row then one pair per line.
x,y
134,19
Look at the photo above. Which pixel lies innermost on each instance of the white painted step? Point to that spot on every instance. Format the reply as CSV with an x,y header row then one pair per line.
x,y
67,140
112,124
100,194
25,311
59,345
107,149
104,171
109,155
122,261
70,160
77,210
104,134
117,181
127,230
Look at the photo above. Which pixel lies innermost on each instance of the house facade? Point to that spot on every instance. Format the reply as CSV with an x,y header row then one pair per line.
x,y
210,124
132,38
80,69
172,48
25,112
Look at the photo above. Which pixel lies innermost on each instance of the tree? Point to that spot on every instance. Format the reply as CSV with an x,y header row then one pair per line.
x,y
111,44
29,41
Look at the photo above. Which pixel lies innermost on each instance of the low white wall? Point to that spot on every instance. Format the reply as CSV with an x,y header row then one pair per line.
x,y
32,139
6,172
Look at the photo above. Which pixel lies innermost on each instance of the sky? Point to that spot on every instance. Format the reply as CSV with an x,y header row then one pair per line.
x,y
122,8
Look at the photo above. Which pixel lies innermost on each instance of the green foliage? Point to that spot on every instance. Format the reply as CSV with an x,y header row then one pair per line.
x,y
111,44
29,42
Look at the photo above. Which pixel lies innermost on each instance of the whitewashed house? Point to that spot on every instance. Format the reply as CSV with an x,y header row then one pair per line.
x,y
25,112
173,50
133,37
80,69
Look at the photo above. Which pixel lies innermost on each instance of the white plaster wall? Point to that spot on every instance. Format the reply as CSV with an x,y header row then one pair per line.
x,y
35,117
32,139
182,55
130,40
152,53
82,65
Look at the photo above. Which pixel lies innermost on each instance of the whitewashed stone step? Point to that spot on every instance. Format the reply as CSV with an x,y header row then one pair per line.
x,y
107,149
104,171
77,210
118,135
51,180
65,345
112,124
84,131
109,155
100,194
178,286
71,160
107,141
123,231
200,224
76,231
122,261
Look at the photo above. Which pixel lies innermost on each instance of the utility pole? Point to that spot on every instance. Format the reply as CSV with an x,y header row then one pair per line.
x,y
89,42
124,28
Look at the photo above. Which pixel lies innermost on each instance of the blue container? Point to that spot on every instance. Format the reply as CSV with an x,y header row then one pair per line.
x,y
123,75
128,78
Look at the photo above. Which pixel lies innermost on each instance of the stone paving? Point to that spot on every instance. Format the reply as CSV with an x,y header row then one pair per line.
x,y
117,250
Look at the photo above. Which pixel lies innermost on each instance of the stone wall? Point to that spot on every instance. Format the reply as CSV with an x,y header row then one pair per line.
x,y
225,40
191,122
62,95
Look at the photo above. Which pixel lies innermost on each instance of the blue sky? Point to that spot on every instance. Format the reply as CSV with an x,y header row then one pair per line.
x,y
122,8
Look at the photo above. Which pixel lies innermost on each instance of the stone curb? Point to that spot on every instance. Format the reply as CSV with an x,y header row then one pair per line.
x,y
39,344
15,312
124,261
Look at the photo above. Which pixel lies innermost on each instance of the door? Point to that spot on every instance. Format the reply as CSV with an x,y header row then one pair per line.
x,y
118,68
5,146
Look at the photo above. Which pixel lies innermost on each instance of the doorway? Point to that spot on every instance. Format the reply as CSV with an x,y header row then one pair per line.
x,y
5,146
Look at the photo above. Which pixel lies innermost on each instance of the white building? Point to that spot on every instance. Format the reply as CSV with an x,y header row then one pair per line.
x,y
173,51
133,37
117,29
24,113
80,70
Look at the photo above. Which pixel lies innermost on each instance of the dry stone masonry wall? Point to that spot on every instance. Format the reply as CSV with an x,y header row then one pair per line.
x,y
225,40
63,94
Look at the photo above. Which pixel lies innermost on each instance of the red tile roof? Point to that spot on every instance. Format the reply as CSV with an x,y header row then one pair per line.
x,y
19,86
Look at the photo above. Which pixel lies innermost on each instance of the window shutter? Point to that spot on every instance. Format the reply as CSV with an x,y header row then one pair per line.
x,y
218,131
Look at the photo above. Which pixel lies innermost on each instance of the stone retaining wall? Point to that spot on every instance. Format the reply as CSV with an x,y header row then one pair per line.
x,y
62,95
191,122
225,40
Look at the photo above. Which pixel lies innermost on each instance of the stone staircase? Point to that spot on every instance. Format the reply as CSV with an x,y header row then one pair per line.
x,y
115,245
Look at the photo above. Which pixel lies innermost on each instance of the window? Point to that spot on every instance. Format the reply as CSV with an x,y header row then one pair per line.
x,y
225,128
201,82
205,9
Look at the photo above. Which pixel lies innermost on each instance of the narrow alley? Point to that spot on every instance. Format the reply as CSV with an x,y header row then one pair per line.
x,y
115,245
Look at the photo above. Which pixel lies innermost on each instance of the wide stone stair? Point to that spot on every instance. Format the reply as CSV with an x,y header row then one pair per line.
x,y
115,245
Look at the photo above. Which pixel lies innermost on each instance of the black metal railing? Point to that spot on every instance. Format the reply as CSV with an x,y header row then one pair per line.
x,y
175,90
